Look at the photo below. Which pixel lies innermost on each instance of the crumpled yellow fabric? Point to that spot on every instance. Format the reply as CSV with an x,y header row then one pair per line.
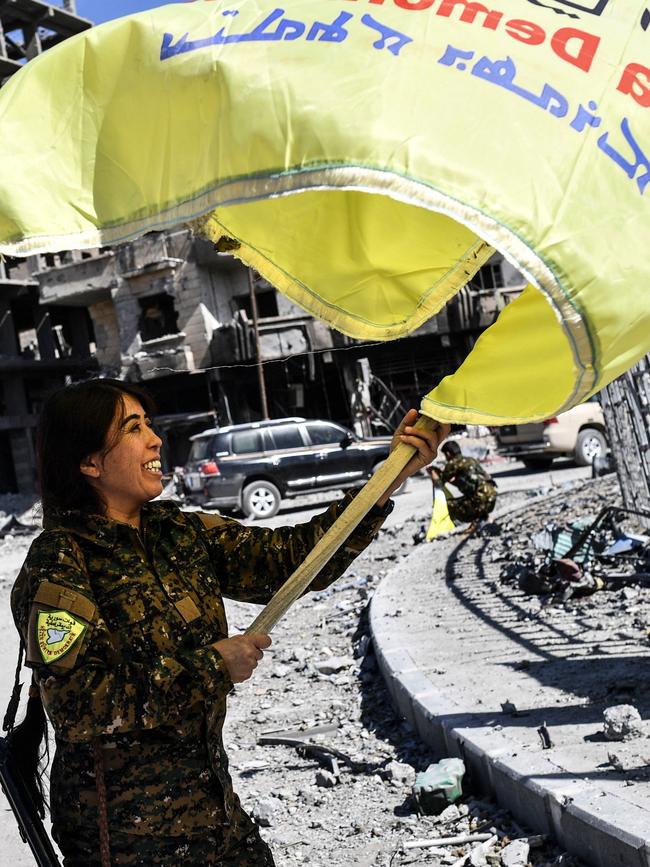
x,y
440,521
367,157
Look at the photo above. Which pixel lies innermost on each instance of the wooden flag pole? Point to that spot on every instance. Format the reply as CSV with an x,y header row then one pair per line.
x,y
337,534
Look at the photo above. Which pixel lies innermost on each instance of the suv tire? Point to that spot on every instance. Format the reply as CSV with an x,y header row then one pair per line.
x,y
260,500
591,443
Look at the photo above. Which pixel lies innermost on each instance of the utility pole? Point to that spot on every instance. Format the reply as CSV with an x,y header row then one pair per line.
x,y
258,348
361,403
626,405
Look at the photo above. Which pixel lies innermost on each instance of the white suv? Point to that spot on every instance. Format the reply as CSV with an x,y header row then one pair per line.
x,y
579,433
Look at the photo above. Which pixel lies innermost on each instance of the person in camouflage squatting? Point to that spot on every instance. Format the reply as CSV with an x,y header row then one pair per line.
x,y
119,604
479,493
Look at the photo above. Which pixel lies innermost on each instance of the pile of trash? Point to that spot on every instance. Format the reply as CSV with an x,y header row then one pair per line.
x,y
566,560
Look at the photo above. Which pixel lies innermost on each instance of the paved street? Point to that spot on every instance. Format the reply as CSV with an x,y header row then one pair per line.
x,y
513,480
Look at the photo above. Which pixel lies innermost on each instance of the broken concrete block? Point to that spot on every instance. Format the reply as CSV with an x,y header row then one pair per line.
x,y
477,857
450,814
623,723
263,811
325,780
334,664
400,772
515,854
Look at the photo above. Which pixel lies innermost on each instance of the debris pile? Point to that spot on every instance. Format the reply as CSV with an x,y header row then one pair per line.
x,y
581,554
325,764
11,526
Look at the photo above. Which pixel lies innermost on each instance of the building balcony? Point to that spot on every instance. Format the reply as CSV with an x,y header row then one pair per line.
x,y
79,283
279,337
162,356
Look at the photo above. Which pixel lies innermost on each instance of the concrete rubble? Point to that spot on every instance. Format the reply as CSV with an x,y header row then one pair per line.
x,y
517,684
366,815
623,723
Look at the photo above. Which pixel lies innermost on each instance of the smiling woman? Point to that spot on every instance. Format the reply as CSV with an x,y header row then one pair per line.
x,y
127,474
120,611
90,435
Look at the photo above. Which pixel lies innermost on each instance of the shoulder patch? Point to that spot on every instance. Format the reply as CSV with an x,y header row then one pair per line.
x,y
56,633
60,619
210,522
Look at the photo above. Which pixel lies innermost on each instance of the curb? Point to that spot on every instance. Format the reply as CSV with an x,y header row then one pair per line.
x,y
600,828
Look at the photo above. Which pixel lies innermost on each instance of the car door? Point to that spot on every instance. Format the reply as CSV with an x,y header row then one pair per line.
x,y
291,460
337,464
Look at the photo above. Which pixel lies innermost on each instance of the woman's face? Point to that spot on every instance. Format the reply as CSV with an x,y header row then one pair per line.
x,y
130,474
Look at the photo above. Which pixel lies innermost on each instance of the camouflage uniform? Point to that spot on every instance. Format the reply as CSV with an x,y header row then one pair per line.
x,y
142,677
476,486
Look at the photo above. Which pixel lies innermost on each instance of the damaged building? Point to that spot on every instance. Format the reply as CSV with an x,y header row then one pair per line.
x,y
213,343
169,311
38,346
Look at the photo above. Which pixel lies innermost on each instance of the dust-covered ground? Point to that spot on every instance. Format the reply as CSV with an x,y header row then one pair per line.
x,y
321,673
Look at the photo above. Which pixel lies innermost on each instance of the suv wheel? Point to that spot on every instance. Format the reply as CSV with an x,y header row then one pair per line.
x,y
591,443
261,500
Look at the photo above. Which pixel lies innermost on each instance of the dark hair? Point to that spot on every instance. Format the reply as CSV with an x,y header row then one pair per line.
x,y
451,448
22,747
74,423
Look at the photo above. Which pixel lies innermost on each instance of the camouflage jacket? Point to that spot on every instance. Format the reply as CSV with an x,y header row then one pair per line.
x,y
118,631
467,475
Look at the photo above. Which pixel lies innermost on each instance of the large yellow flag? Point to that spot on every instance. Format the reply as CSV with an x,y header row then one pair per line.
x,y
366,156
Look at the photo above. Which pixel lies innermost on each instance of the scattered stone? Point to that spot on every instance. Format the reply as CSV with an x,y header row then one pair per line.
x,y
477,857
325,780
263,811
515,854
400,772
623,723
449,814
334,664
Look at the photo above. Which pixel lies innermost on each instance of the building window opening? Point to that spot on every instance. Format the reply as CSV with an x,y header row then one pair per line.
x,y
488,277
28,342
158,317
267,304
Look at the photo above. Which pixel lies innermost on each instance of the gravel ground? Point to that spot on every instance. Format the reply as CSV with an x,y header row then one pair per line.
x,y
321,671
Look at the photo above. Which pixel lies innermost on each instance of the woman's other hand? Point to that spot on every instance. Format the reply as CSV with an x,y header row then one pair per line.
x,y
425,441
241,653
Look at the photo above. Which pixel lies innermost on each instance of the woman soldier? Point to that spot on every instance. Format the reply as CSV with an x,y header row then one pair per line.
x,y
119,606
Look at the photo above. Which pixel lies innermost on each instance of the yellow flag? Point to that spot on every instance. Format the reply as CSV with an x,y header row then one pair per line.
x,y
440,520
366,156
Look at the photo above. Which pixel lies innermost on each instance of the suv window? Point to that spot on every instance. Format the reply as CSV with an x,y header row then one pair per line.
x,y
246,442
324,434
201,449
286,436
